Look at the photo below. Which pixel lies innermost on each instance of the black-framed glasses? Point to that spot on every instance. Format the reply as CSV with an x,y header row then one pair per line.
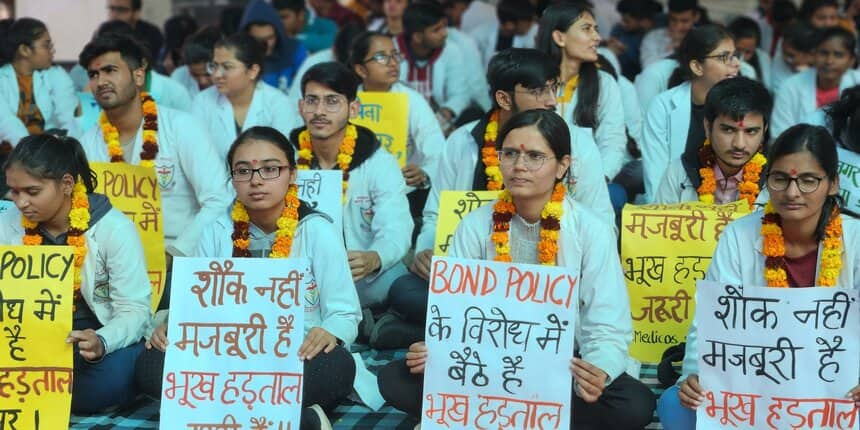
x,y
727,57
805,183
542,93
532,160
267,173
331,103
384,59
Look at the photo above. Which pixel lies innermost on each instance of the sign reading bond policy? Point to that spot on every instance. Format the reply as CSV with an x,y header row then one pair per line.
x,y
387,114
134,190
665,249
36,317
234,331
500,338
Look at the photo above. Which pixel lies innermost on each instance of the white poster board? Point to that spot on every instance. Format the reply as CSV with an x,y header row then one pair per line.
x,y
321,190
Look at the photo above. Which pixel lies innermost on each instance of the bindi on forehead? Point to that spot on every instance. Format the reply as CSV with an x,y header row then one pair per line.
x,y
522,147
793,172
254,162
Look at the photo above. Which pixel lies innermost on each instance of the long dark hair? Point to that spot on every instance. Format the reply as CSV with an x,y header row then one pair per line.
x,y
818,142
560,17
360,46
844,116
697,44
22,31
47,156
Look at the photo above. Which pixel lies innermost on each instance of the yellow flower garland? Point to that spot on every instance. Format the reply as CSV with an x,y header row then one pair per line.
x,y
344,155
287,223
504,209
773,247
489,156
150,134
79,222
748,189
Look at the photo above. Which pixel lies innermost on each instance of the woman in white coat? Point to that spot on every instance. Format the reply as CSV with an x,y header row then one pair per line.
x,y
534,156
674,119
239,99
805,92
804,200
49,99
52,187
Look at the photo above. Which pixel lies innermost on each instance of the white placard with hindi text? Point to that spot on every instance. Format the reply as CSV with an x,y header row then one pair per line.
x,y
234,331
849,179
500,338
777,357
322,190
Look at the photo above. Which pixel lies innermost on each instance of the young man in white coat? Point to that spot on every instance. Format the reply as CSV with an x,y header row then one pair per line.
x,y
736,113
376,221
192,193
521,79
515,28
661,42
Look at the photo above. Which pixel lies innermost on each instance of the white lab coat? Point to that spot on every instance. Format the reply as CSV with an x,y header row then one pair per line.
x,y
53,93
738,260
632,110
184,78
609,135
654,79
766,66
476,72
487,35
796,98
457,172
667,122
269,107
603,330
192,177
477,14
656,45
115,265
450,84
168,92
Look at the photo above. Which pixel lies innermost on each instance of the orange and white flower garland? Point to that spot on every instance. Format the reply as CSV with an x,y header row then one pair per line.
x,y
79,222
773,247
748,189
287,224
150,134
489,155
344,155
550,224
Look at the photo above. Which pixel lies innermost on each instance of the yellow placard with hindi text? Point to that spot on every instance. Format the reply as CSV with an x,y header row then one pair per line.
x,y
387,114
36,317
134,190
453,207
665,249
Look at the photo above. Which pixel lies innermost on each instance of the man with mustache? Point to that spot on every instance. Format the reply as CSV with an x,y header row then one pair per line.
x,y
735,120
377,225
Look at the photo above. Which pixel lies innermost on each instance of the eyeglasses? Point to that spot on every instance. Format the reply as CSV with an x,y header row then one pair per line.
x,y
532,160
542,93
267,173
213,67
384,59
727,57
331,103
805,183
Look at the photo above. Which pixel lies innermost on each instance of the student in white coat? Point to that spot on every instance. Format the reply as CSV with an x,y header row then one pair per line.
x,y
52,187
534,156
263,171
375,60
515,28
794,53
194,75
674,120
728,165
240,99
802,178
661,42
747,36
376,222
34,96
136,130
805,92
521,79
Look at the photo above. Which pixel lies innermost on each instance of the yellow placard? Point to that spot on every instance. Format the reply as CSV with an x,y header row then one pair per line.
x,y
664,250
387,114
134,190
36,316
453,207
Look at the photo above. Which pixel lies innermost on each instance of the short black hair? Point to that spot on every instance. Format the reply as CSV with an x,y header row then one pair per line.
x,y
528,67
744,27
420,15
736,97
849,40
293,5
784,11
679,6
198,48
808,7
130,49
515,10
800,36
334,75
639,9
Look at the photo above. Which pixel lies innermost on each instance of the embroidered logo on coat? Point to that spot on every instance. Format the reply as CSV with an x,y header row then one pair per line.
x,y
164,172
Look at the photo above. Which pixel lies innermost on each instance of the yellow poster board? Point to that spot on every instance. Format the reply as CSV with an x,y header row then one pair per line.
x,y
387,114
453,207
36,317
134,190
665,249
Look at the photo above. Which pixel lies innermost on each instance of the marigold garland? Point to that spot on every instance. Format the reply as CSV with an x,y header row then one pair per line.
x,y
748,189
150,134
287,224
489,156
773,247
550,223
79,222
344,155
